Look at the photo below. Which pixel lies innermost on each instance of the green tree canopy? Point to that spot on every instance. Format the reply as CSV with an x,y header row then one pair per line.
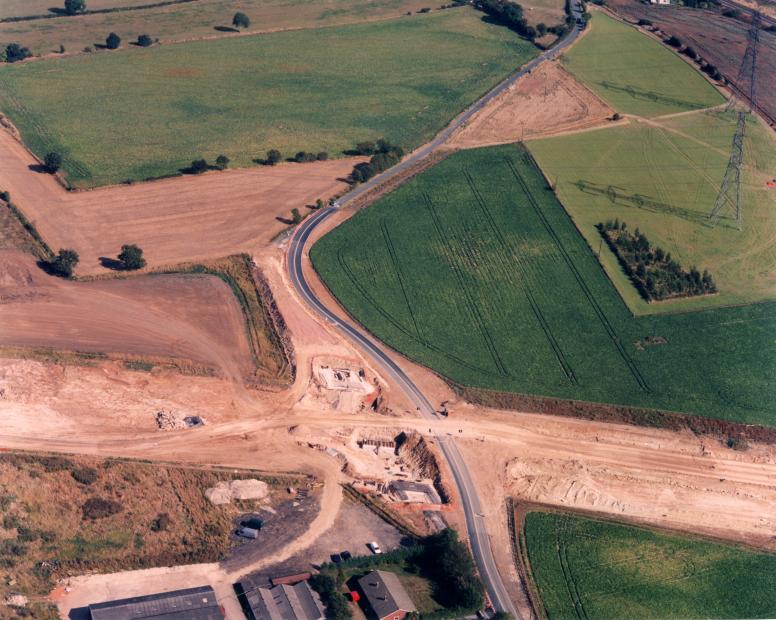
x,y
75,6
241,20
64,263
132,257
113,41
52,162
144,40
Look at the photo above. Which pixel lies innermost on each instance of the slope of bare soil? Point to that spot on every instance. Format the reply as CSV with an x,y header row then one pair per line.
x,y
188,317
545,102
173,220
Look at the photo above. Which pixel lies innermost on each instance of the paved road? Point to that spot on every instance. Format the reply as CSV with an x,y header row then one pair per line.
x,y
475,522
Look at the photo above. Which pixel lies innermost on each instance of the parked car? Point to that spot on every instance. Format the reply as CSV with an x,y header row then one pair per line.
x,y
248,532
375,548
346,555
336,558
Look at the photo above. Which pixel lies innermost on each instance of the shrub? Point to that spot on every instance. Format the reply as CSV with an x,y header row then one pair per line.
x,y
241,20
365,148
304,157
5,196
75,6
273,157
63,265
690,53
222,161
15,52
161,523
674,41
144,40
84,475
296,216
132,257
645,22
322,156
113,41
52,162
100,508
198,166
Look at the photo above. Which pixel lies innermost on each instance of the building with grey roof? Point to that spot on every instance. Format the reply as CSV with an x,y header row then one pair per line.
x,y
282,602
385,595
190,604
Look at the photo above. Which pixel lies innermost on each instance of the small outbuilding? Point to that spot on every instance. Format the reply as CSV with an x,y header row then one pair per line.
x,y
386,597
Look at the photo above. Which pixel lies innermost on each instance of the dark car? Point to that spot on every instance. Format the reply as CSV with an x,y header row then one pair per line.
x,y
336,558
346,555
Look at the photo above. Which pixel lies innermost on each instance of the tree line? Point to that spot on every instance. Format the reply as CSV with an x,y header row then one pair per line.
x,y
654,272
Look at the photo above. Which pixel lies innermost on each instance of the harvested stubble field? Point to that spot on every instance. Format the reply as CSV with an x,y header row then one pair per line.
x,y
474,263
719,40
189,318
190,20
47,517
662,177
587,568
144,113
173,220
635,74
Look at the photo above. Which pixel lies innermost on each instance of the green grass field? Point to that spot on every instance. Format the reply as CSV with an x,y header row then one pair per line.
x,y
190,20
666,178
635,74
474,269
586,568
142,113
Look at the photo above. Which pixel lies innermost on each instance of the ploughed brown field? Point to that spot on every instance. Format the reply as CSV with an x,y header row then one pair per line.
x,y
173,220
194,318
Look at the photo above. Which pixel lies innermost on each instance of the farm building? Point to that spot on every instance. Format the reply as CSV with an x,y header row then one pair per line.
x,y
386,597
660,1
190,604
280,602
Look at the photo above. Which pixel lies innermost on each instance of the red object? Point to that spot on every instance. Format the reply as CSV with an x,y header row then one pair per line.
x,y
355,597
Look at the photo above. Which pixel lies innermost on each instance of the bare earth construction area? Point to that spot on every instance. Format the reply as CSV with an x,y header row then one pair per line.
x,y
546,102
186,317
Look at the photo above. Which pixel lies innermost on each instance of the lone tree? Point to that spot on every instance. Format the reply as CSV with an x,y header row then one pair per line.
x,y
296,216
113,41
75,6
144,40
222,161
198,166
52,162
132,257
64,263
15,52
273,157
241,20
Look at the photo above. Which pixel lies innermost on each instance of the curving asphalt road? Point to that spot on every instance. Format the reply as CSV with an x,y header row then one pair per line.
x,y
475,522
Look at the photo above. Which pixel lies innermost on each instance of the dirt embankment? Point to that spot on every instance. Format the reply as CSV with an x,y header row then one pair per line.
x,y
545,102
184,317
423,458
194,217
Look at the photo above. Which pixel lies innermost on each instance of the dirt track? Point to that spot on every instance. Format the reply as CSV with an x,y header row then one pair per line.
x,y
192,318
173,220
548,101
